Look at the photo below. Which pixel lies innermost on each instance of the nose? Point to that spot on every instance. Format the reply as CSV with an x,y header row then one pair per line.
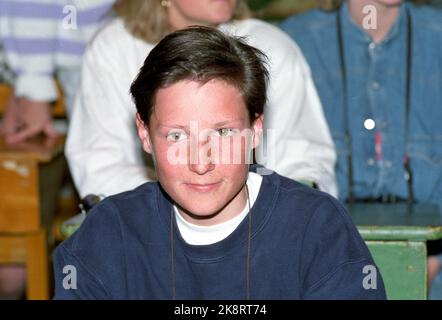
x,y
200,161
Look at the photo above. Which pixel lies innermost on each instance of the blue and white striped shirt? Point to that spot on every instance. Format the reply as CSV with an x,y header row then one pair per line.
x,y
40,36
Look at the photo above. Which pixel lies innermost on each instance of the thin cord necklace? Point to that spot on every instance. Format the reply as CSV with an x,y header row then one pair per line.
x,y
249,248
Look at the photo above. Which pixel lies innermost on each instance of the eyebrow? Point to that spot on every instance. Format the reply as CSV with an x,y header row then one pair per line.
x,y
218,124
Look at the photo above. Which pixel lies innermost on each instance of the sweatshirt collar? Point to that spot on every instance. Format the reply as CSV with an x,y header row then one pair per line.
x,y
261,212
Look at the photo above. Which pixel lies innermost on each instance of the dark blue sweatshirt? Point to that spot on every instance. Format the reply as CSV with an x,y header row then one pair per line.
x,y
303,246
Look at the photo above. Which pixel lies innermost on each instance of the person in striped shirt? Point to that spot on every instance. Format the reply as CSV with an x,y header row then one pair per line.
x,y
40,39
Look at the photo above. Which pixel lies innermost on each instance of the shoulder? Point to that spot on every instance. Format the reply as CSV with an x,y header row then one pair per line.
x,y
111,32
283,53
139,199
101,247
128,205
257,28
332,250
321,215
306,194
309,21
113,37
306,200
108,222
105,240
103,48
426,16
314,208
261,34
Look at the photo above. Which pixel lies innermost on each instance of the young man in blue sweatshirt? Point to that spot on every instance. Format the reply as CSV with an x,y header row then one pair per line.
x,y
211,228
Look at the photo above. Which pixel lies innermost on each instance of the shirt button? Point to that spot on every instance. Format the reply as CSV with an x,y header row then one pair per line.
x,y
369,124
370,161
375,85
372,46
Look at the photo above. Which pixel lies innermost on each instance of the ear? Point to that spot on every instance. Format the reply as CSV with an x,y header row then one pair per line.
x,y
257,128
143,134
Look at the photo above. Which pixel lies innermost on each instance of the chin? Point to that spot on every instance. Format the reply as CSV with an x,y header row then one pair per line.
x,y
391,3
221,19
221,15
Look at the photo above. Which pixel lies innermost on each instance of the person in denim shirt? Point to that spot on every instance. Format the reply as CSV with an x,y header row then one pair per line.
x,y
375,67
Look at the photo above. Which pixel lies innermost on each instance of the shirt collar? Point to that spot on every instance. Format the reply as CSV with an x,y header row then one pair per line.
x,y
355,31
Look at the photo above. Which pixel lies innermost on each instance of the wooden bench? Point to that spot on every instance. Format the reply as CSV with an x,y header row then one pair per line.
x,y
396,235
31,174
30,177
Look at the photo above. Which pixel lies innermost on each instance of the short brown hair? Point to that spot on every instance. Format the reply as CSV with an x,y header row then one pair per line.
x,y
202,54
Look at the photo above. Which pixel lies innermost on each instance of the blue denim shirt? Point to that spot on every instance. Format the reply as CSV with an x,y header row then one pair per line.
x,y
376,81
437,3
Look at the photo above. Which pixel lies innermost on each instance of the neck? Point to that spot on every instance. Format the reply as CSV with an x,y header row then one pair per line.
x,y
385,17
178,22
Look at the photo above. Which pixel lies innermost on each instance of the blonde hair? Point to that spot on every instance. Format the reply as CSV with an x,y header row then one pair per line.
x,y
147,19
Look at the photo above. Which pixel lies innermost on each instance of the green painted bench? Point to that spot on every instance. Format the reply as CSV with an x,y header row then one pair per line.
x,y
396,235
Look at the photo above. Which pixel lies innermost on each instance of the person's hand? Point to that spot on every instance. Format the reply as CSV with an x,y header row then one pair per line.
x,y
9,122
28,118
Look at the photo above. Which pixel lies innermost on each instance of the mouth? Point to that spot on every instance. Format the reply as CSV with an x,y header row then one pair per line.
x,y
205,187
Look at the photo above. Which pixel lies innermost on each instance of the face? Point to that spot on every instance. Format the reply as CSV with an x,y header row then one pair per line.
x,y
184,13
193,137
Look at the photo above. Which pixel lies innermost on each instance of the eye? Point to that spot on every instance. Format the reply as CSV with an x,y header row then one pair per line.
x,y
175,136
227,132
